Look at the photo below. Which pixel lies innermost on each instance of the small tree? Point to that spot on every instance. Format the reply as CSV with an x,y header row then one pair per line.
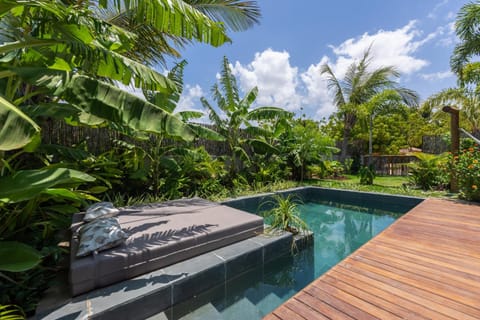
x,y
235,113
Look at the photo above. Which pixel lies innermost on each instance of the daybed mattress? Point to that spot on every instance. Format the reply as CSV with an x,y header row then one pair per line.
x,y
160,234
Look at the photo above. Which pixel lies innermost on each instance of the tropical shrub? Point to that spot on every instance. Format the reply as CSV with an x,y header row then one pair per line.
x,y
347,164
430,171
284,214
35,212
467,170
305,145
367,174
327,169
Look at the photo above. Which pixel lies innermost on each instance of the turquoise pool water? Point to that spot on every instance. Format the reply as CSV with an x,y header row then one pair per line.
x,y
339,229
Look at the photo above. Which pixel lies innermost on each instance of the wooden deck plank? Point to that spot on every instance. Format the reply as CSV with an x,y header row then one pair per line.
x,y
320,306
305,311
426,265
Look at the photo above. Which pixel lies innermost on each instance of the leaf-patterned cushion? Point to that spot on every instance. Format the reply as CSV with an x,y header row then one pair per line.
x,y
100,210
100,234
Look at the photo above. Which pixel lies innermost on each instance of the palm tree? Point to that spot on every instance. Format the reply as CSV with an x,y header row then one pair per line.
x,y
237,114
467,29
468,101
385,102
357,88
153,44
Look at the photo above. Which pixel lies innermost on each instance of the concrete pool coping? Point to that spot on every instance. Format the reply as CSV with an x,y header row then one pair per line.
x,y
151,293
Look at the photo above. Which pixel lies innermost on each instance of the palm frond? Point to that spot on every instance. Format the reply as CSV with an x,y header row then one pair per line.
x,y
175,17
467,29
236,14
334,85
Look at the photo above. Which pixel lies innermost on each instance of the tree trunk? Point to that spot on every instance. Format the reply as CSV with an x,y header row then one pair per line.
x,y
370,140
349,122
344,146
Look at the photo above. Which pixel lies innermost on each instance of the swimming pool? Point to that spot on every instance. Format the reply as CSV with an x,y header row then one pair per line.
x,y
342,221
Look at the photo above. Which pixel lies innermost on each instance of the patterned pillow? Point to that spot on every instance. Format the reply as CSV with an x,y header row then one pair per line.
x,y
100,210
100,234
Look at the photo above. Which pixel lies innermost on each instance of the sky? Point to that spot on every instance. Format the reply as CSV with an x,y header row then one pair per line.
x,y
283,54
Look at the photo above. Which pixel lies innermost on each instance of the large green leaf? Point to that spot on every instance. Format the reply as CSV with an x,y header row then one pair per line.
x,y
27,184
262,147
16,129
236,14
267,113
17,257
206,133
176,18
113,104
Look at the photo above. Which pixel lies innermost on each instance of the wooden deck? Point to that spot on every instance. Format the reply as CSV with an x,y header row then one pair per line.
x,y
424,266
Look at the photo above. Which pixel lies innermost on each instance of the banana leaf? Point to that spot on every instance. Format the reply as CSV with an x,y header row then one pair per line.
x,y
17,129
17,257
27,184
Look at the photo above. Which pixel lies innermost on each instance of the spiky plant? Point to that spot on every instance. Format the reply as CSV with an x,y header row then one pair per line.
x,y
285,214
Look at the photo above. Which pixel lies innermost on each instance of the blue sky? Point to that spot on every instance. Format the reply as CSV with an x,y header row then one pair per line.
x,y
282,55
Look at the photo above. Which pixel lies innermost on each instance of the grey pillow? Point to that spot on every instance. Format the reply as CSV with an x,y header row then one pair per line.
x,y
100,234
100,210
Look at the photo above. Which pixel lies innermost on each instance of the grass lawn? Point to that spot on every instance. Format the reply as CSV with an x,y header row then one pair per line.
x,y
383,184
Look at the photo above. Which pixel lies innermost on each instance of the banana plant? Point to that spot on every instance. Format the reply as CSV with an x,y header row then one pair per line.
x,y
40,36
234,113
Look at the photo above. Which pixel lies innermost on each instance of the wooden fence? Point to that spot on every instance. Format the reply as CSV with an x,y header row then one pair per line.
x,y
99,140
390,165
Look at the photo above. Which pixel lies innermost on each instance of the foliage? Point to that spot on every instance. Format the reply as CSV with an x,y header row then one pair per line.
x,y
328,169
285,214
367,174
466,99
17,257
430,171
238,113
347,164
467,30
359,87
305,145
11,312
387,102
63,61
467,171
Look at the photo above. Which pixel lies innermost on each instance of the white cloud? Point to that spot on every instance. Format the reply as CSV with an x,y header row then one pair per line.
x,y
437,75
189,98
275,78
389,48
283,85
433,13
451,15
317,95
447,33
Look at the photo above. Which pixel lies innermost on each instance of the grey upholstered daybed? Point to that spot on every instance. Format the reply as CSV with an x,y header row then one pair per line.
x,y
160,235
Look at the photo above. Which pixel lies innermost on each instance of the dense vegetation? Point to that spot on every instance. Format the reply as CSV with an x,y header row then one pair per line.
x,y
66,61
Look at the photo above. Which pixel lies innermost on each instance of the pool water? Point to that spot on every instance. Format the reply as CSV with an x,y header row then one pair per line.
x,y
338,229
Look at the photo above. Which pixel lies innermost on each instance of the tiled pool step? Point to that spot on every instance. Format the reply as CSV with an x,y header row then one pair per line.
x,y
149,294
